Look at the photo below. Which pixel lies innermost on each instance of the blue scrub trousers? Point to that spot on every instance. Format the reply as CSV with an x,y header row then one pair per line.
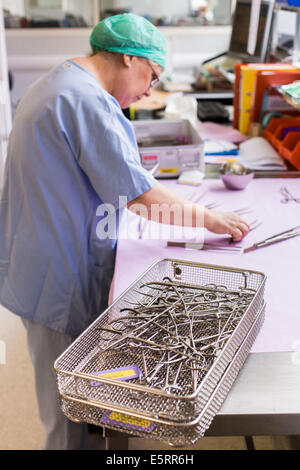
x,y
45,346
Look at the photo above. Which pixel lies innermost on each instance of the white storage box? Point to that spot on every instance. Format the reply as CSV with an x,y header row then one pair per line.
x,y
173,143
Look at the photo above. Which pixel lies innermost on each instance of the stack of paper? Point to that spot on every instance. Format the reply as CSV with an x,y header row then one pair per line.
x,y
219,151
219,147
258,154
212,131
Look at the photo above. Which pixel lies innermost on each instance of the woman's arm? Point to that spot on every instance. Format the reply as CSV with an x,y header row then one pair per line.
x,y
164,206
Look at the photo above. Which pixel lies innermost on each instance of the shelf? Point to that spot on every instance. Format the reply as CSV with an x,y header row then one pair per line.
x,y
287,99
287,8
212,95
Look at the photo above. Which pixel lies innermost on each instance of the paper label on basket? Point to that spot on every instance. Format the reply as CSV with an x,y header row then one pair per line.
x,y
127,422
121,373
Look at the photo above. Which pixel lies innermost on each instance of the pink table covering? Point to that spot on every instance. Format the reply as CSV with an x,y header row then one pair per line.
x,y
280,262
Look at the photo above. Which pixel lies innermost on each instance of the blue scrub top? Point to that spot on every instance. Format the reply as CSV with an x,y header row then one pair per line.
x,y
71,150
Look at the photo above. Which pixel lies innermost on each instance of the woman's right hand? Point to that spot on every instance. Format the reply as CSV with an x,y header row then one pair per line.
x,y
227,223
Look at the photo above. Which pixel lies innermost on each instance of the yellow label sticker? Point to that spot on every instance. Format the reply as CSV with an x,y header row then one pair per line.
x,y
168,170
144,423
225,160
119,374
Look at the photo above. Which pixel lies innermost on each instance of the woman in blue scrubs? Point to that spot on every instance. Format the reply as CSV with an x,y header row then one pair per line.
x,y
72,150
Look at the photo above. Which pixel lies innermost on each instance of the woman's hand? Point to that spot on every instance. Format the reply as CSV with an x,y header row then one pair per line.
x,y
226,222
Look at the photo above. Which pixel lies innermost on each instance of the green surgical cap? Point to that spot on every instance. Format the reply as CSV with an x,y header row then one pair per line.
x,y
130,34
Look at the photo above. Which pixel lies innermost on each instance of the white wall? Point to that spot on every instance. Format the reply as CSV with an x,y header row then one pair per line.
x,y
16,7
79,8
286,22
32,53
5,111
151,7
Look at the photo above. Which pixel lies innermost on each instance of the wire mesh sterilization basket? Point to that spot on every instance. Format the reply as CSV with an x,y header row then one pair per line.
x,y
161,350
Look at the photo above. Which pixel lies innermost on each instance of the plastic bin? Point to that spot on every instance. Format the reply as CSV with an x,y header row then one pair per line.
x,y
290,148
186,153
274,132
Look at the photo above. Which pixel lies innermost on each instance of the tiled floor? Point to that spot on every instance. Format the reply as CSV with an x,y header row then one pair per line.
x,y
20,426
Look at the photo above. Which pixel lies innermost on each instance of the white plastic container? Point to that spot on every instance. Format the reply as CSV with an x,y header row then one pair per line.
x,y
172,159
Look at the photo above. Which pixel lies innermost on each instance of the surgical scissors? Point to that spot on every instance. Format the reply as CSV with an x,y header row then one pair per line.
x,y
287,196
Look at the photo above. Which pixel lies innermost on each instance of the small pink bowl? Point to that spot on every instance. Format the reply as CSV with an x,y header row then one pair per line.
x,y
237,181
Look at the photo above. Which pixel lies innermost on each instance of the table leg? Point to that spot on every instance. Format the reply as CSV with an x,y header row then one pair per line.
x,y
249,443
115,440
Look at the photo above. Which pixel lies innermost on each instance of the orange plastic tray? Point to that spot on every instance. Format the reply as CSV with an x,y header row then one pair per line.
x,y
273,132
290,148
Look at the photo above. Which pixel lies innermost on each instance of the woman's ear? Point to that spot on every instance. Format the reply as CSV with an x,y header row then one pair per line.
x,y
127,60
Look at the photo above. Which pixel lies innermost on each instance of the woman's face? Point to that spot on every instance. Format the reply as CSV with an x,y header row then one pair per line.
x,y
135,80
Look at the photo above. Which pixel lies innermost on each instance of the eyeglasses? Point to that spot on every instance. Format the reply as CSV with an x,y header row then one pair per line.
x,y
155,77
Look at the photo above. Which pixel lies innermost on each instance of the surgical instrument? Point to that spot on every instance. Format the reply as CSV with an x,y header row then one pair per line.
x,y
287,196
290,233
204,246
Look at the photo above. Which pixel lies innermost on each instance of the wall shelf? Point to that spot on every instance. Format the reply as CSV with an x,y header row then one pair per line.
x,y
288,99
287,8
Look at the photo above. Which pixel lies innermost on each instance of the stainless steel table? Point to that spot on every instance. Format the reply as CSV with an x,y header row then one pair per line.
x,y
264,399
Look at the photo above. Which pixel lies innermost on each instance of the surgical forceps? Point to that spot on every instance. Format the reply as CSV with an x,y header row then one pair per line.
x,y
174,354
275,239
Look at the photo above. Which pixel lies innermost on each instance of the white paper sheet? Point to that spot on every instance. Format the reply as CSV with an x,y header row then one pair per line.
x,y
258,154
